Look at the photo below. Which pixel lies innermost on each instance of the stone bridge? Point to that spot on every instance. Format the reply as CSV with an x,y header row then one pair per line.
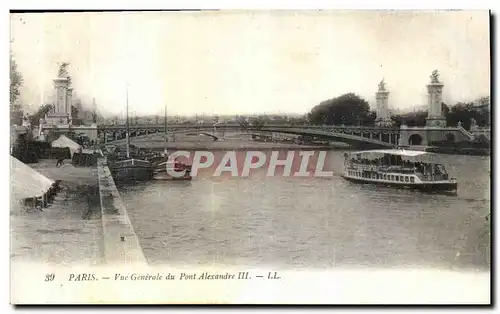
x,y
174,135
357,136
353,135
416,136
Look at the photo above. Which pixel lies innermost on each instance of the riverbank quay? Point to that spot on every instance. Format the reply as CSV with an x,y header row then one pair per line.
x,y
237,145
67,232
459,151
121,245
451,150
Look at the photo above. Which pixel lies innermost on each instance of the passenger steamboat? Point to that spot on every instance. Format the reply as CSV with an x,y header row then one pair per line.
x,y
398,168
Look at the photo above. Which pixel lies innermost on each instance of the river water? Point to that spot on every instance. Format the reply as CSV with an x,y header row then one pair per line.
x,y
290,222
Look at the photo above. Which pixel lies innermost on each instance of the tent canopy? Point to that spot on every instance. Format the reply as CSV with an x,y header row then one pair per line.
x,y
64,141
26,182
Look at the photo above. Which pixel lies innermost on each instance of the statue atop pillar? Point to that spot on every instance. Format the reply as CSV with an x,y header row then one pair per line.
x,y
63,95
382,97
435,77
381,85
63,70
435,100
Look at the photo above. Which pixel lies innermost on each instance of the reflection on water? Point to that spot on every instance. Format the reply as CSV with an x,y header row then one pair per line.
x,y
313,222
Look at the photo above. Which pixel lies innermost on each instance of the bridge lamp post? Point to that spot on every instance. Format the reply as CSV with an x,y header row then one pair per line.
x,y
214,126
165,126
343,119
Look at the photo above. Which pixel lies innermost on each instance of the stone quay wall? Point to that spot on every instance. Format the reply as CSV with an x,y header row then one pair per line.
x,y
121,245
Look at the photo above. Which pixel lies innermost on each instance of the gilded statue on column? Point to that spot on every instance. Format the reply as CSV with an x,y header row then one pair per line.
x,y
435,76
381,85
63,70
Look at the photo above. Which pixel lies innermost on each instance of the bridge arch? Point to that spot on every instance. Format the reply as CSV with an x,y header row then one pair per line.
x,y
356,136
415,139
331,134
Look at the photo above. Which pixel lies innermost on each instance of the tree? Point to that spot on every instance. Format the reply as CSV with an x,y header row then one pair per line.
x,y
39,114
464,112
279,119
242,122
369,120
348,109
257,122
445,109
74,115
460,112
298,120
16,80
417,118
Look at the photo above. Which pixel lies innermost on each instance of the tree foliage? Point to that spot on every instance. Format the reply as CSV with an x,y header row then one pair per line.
x,y
461,112
464,112
297,120
39,114
16,80
417,118
75,110
350,109
347,109
242,122
257,122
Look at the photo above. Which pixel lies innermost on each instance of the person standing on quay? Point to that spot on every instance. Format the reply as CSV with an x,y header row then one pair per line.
x,y
60,162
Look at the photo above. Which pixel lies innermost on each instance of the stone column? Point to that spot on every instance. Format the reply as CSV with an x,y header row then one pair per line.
x,y
61,86
69,103
404,138
435,99
382,96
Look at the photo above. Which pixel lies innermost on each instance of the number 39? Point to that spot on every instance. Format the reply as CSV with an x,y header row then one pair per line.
x,y
50,277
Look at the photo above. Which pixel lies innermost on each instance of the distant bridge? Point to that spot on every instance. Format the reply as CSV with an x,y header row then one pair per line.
x,y
354,135
357,136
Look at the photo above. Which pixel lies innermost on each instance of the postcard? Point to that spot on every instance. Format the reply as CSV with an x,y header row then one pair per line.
x,y
250,157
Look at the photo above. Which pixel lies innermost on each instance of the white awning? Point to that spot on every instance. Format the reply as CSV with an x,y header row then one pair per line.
x,y
26,182
63,142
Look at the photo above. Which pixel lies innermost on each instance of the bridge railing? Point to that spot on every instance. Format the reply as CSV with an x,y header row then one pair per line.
x,y
467,133
221,126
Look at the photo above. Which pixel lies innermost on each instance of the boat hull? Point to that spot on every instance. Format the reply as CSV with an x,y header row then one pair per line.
x,y
163,171
131,173
442,186
166,177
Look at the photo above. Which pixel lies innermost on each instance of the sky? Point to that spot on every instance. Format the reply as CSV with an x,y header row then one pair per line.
x,y
245,62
